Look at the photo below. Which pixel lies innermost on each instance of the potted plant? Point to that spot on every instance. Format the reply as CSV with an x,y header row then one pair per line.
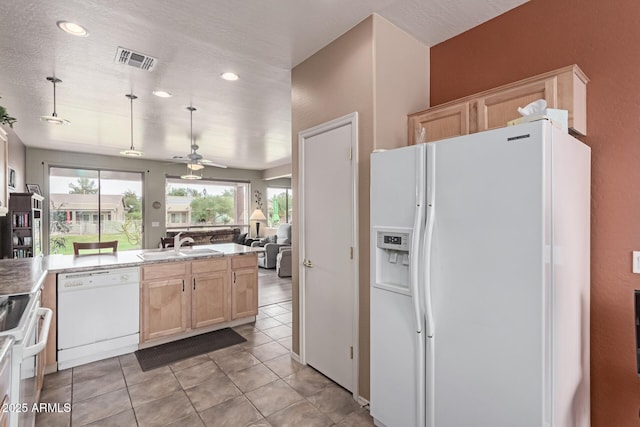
x,y
5,118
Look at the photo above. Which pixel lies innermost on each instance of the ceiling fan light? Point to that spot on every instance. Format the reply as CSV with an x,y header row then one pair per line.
x,y
190,176
195,166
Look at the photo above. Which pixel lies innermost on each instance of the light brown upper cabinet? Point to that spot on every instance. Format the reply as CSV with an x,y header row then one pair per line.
x,y
447,122
564,89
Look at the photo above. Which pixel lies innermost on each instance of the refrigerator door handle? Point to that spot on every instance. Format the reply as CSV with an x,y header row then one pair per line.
x,y
428,235
416,255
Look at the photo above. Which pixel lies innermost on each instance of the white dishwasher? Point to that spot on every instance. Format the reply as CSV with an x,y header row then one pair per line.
x,y
98,315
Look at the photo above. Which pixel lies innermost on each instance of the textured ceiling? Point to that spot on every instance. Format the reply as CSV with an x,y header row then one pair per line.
x,y
243,124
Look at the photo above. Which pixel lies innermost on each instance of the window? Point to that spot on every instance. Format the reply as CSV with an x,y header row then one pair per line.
x,y
207,204
279,206
92,206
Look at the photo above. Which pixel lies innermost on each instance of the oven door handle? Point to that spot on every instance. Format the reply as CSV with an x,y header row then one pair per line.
x,y
44,334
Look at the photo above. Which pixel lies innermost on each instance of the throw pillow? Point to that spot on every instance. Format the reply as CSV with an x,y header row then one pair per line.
x,y
240,238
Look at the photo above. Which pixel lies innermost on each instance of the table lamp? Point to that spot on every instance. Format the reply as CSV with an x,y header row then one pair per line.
x,y
257,216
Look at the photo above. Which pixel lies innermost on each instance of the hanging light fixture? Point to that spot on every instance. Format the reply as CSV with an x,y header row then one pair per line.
x,y
54,119
192,165
131,152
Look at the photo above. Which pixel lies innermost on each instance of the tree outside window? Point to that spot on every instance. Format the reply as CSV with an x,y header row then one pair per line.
x,y
279,202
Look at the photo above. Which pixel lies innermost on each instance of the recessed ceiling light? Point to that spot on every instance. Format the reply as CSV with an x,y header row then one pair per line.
x,y
162,94
72,28
230,76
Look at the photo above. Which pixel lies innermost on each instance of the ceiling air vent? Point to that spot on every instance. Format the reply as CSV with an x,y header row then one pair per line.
x,y
135,59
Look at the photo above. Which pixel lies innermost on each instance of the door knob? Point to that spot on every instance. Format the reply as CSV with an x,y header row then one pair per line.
x,y
307,263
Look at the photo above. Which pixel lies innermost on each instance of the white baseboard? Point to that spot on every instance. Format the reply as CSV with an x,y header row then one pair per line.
x,y
295,357
362,401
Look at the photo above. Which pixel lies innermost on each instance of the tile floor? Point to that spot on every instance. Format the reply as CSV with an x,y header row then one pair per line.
x,y
271,288
251,384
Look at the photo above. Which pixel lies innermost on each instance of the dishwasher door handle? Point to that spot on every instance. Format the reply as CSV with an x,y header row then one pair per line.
x,y
44,333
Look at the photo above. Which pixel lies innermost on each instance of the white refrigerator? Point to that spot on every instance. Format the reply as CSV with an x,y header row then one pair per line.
x,y
480,281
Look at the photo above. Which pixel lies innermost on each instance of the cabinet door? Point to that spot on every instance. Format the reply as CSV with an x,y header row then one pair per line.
x,y
210,299
244,293
495,110
164,308
440,123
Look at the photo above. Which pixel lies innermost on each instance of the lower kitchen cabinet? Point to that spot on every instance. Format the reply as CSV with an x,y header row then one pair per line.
x,y
48,300
182,296
244,286
210,292
163,302
164,308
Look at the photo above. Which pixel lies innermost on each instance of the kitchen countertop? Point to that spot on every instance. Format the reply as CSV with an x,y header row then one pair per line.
x,y
26,275
21,276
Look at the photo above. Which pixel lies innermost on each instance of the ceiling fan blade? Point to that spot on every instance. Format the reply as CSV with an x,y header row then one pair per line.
x,y
210,163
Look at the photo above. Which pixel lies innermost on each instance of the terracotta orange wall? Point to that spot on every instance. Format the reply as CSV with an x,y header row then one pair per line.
x,y
603,39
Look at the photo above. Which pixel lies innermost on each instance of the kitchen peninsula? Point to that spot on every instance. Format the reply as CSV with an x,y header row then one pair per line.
x,y
180,293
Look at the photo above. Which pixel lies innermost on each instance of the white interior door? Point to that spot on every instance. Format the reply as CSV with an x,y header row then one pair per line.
x,y
327,244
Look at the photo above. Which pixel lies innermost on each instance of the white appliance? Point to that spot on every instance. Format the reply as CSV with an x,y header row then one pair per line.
x,y
98,315
20,317
480,281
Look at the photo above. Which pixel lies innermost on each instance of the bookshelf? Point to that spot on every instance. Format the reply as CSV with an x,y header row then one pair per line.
x,y
25,225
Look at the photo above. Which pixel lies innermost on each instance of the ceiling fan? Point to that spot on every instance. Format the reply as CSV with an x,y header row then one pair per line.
x,y
194,160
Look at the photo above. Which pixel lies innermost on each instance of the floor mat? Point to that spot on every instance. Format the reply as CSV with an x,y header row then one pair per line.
x,y
165,354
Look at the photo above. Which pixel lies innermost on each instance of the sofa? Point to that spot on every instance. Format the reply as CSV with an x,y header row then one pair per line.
x,y
272,245
206,237
283,262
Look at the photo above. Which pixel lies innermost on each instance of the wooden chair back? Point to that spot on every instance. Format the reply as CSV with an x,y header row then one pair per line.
x,y
78,246
166,242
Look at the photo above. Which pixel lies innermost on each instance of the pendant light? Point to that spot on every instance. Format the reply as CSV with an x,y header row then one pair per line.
x,y
54,119
131,152
192,165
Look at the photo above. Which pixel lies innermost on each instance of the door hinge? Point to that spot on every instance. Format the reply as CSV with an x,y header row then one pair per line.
x,y
350,153
351,252
351,350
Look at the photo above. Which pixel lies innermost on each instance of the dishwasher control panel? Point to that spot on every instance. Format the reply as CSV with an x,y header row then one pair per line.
x,y
98,278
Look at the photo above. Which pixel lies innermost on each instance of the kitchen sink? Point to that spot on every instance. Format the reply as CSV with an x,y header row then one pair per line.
x,y
196,251
170,253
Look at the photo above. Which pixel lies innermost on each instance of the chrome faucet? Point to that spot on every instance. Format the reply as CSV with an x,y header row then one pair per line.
x,y
177,242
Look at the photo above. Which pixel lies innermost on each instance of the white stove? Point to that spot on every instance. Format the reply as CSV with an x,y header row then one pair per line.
x,y
19,318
